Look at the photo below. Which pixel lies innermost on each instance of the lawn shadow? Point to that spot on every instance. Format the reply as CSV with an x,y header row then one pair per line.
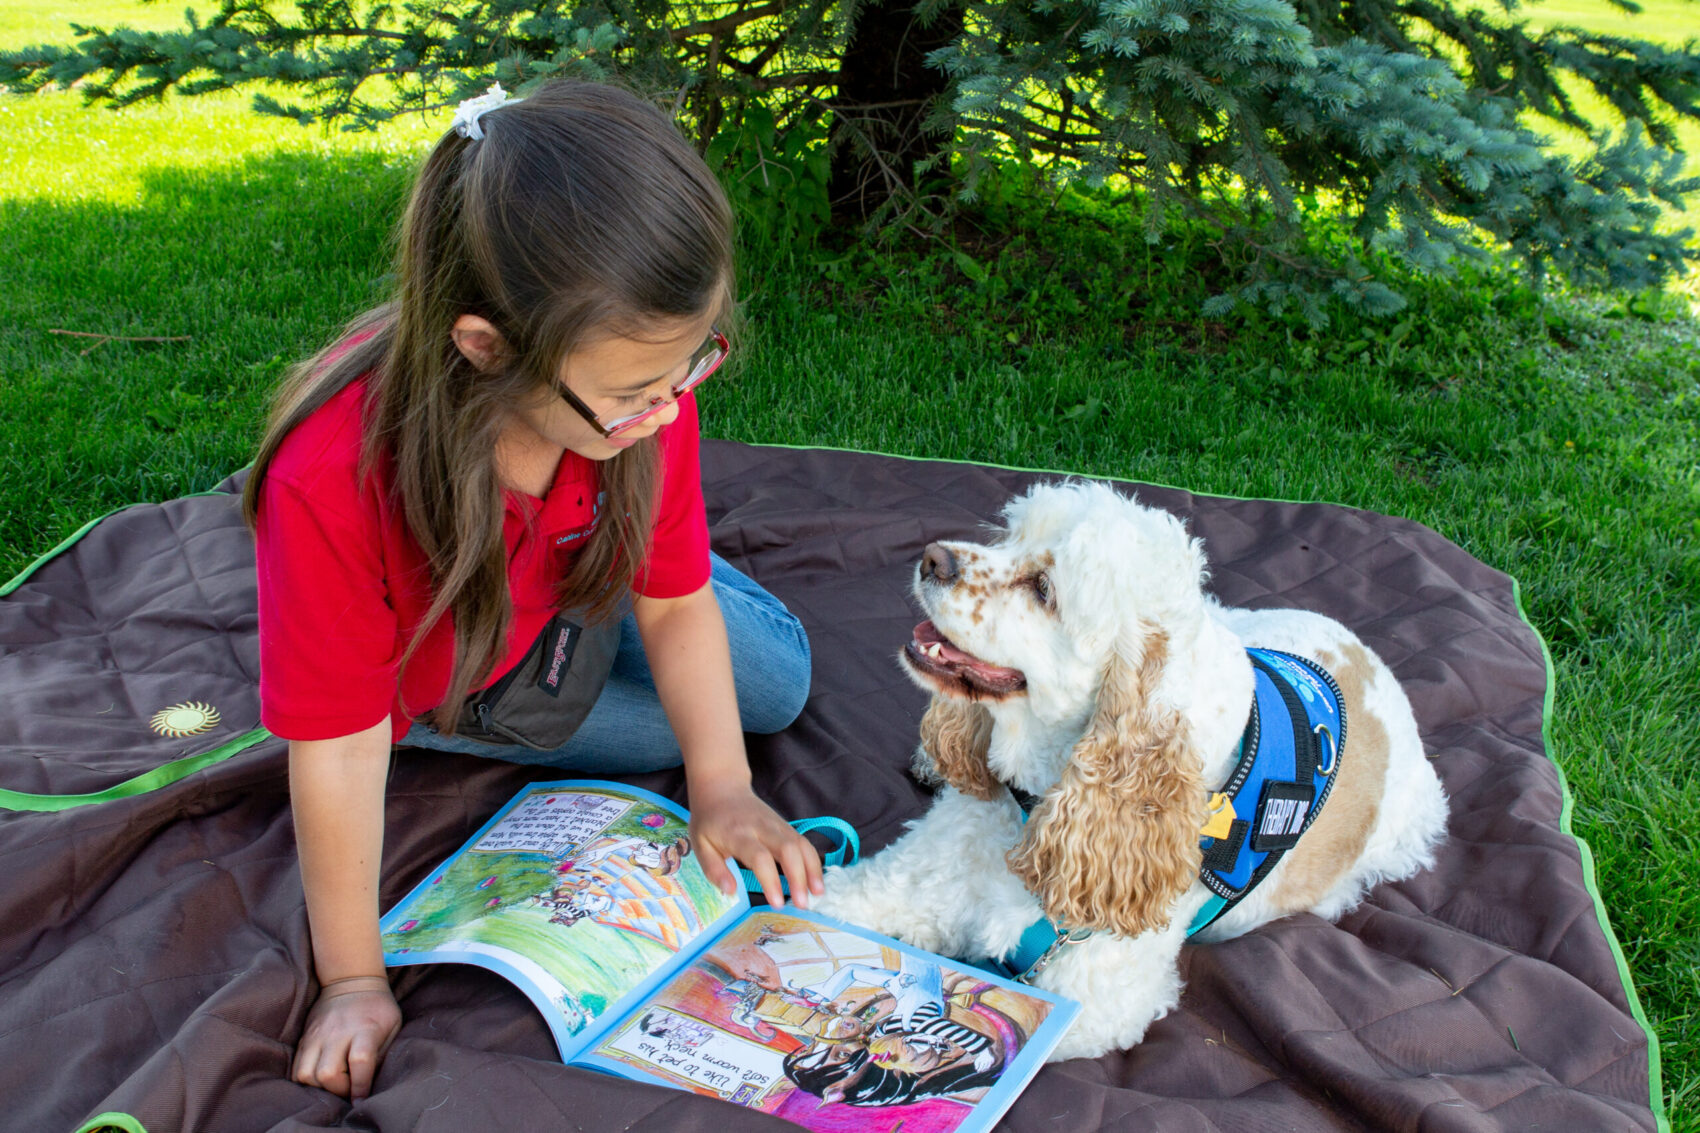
x,y
237,270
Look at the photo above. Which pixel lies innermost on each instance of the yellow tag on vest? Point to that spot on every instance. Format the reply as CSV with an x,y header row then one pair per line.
x,y
1221,821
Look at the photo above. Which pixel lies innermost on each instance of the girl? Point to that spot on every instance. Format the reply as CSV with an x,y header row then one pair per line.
x,y
482,504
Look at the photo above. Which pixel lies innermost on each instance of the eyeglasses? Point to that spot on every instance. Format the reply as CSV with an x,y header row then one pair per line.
x,y
704,362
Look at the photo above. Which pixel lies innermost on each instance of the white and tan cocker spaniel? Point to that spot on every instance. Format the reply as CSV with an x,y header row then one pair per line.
x,y
1076,663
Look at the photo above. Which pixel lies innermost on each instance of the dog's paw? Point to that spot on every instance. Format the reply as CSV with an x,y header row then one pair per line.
x,y
859,896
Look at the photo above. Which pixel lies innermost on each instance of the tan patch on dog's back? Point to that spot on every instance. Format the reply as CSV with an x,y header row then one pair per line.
x,y
1338,836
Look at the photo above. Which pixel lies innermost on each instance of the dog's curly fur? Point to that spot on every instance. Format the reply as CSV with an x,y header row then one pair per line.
x,y
1077,658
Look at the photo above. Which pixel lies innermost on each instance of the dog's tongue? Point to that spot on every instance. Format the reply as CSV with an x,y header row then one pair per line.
x,y
927,636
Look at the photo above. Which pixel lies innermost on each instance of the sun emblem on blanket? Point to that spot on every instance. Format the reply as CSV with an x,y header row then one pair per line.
x,y
190,718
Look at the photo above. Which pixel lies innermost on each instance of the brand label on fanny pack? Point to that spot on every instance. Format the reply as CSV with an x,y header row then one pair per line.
x,y
557,655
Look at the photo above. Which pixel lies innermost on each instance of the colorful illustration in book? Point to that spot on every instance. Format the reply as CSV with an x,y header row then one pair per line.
x,y
830,1030
588,896
616,872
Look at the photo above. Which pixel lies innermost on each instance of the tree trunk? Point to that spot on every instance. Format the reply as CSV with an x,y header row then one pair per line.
x,y
884,93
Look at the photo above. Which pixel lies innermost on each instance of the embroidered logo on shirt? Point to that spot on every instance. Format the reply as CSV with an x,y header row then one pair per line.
x,y
575,535
578,533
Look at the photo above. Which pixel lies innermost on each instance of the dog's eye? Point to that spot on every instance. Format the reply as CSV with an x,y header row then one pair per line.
x,y
1042,587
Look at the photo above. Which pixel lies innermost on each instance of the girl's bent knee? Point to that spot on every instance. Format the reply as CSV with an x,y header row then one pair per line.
x,y
772,697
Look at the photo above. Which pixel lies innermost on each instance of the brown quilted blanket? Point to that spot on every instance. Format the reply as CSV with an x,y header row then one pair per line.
x,y
153,943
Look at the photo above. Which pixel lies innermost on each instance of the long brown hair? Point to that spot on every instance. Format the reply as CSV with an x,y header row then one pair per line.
x,y
581,212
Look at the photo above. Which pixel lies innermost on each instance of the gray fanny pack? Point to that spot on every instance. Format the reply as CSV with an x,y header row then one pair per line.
x,y
541,701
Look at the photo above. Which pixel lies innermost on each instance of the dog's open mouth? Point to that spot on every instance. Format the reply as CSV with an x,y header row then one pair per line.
x,y
931,653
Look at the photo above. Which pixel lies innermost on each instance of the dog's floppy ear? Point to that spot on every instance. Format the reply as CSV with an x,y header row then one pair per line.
x,y
956,734
1115,843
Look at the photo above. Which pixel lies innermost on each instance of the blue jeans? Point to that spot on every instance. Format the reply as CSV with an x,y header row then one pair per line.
x,y
627,730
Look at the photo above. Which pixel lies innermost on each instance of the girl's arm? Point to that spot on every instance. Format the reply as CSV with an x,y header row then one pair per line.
x,y
685,640
336,788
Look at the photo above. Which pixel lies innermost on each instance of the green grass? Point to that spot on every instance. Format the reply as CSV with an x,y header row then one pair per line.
x,y
24,23
195,218
1553,437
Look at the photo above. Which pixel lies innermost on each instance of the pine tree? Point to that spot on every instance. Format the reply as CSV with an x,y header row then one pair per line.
x,y
1417,121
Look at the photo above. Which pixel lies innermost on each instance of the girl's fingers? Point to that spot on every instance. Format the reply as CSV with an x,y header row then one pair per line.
x,y
811,858
769,849
794,856
713,864
306,1065
346,1036
333,1066
767,873
314,1063
362,1062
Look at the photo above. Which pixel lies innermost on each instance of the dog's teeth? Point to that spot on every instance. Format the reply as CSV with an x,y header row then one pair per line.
x,y
934,650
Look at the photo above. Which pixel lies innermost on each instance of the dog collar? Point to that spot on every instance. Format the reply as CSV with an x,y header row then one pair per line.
x,y
1288,756
1043,939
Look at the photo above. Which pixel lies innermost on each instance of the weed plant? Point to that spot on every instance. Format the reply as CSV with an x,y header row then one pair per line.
x,y
1553,436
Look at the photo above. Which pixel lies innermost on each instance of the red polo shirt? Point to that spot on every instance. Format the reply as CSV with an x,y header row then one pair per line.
x,y
343,586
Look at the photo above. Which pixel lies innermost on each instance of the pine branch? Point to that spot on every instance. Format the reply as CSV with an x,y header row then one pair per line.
x,y
720,26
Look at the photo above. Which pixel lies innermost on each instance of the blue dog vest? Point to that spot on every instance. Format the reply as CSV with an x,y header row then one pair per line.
x,y
1288,756
1294,737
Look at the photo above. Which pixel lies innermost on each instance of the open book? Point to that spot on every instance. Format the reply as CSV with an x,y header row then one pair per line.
x,y
587,896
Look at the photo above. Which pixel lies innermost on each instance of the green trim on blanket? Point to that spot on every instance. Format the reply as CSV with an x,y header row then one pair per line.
x,y
66,543
141,784
1655,1072
105,1122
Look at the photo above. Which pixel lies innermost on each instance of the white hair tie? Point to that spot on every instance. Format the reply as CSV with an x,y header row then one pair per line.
x,y
467,113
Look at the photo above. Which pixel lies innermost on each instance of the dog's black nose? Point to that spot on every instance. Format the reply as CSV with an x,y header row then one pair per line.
x,y
938,563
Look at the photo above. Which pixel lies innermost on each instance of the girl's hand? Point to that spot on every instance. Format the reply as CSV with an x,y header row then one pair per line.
x,y
732,823
348,1030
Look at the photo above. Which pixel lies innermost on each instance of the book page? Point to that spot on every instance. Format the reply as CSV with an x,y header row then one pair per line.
x,y
578,892
837,1030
